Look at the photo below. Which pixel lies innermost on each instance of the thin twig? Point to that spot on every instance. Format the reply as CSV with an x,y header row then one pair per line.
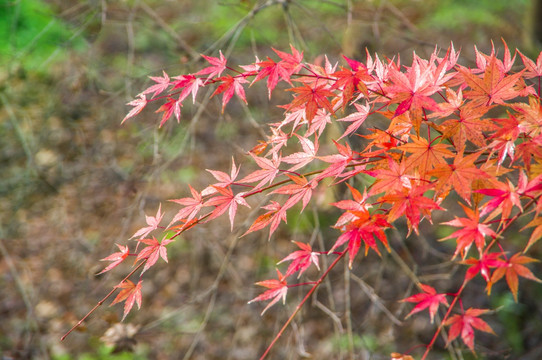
x,y
102,301
300,305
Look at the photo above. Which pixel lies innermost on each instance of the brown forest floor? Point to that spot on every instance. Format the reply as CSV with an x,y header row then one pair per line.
x,y
74,183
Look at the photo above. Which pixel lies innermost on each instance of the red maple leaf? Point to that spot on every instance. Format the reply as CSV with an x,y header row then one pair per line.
x,y
170,107
527,150
366,227
512,269
464,325
412,204
472,231
117,258
130,293
428,299
279,71
190,85
504,197
230,85
349,81
277,290
154,250
483,265
301,259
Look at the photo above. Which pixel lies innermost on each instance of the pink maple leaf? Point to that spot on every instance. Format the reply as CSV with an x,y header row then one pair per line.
x,y
190,85
273,218
304,157
533,70
267,173
465,324
117,258
154,250
191,206
138,105
301,259
414,88
162,83
218,65
225,201
224,180
356,119
301,189
277,290
152,221
357,206
338,161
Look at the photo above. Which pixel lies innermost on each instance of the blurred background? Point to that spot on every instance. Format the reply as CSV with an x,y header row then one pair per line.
x,y
73,182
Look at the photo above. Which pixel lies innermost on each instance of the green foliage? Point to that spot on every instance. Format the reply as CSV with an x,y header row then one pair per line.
x,y
31,34
461,15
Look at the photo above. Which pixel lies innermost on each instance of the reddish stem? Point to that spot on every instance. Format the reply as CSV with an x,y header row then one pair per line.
x,y
300,305
101,301
432,343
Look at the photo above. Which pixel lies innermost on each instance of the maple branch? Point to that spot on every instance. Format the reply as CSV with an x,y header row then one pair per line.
x,y
300,305
102,301
441,325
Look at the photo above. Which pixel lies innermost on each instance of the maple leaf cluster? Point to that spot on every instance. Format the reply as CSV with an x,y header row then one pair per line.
x,y
430,130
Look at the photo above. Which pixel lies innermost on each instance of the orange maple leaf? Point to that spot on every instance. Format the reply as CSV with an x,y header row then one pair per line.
x,y
311,98
493,88
512,270
458,175
425,155
130,293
